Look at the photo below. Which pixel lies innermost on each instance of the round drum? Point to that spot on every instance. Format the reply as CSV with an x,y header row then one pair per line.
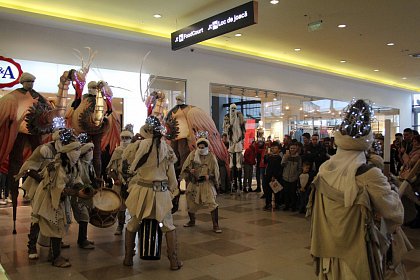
x,y
106,204
150,239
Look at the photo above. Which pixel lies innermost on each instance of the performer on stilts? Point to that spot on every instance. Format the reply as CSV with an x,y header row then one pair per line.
x,y
234,126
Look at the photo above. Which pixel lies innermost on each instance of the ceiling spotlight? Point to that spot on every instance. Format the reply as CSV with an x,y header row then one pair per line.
x,y
297,49
274,2
390,44
238,34
404,78
343,61
341,26
157,15
287,107
376,70
300,109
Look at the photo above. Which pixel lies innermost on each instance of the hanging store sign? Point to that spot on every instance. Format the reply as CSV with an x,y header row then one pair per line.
x,y
10,72
228,21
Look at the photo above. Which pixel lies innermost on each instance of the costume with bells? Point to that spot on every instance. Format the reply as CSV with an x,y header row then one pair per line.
x,y
346,196
151,190
234,126
201,172
115,171
59,177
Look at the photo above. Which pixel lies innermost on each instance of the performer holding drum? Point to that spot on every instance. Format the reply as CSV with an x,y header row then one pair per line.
x,y
150,190
81,203
115,171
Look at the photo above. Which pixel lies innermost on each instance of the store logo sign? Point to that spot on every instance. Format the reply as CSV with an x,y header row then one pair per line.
x,y
10,72
228,21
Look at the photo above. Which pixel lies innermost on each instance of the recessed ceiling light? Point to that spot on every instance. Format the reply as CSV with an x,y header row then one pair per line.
x,y
404,78
390,44
376,70
343,61
238,34
341,26
157,15
297,49
274,2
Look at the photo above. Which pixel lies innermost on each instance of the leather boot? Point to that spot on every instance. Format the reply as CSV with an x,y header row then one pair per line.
x,y
33,238
57,259
171,245
215,220
130,243
82,240
121,222
191,222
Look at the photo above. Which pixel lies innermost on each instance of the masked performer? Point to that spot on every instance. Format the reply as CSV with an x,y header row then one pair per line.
x,y
201,171
150,190
81,203
59,178
31,168
347,195
115,171
234,126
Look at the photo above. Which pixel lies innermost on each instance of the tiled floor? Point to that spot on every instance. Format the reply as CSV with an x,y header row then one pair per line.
x,y
254,245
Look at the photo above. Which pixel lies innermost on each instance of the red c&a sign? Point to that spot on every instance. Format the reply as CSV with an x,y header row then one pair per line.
x,y
10,72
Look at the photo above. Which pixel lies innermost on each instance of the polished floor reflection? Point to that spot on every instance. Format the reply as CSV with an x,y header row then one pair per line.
x,y
254,245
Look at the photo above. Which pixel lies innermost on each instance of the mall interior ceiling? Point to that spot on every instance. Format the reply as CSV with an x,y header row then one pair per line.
x,y
373,40
379,42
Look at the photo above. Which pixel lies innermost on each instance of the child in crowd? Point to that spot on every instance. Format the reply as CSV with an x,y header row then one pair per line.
x,y
305,180
273,172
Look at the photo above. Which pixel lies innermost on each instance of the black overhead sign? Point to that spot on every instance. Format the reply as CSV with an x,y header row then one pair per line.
x,y
228,21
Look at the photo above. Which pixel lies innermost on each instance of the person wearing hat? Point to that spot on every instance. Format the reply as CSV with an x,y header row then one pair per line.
x,y
115,171
346,196
31,168
201,173
81,203
151,190
59,178
15,133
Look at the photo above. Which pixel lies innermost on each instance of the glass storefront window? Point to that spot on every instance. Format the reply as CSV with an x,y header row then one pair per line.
x,y
292,114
